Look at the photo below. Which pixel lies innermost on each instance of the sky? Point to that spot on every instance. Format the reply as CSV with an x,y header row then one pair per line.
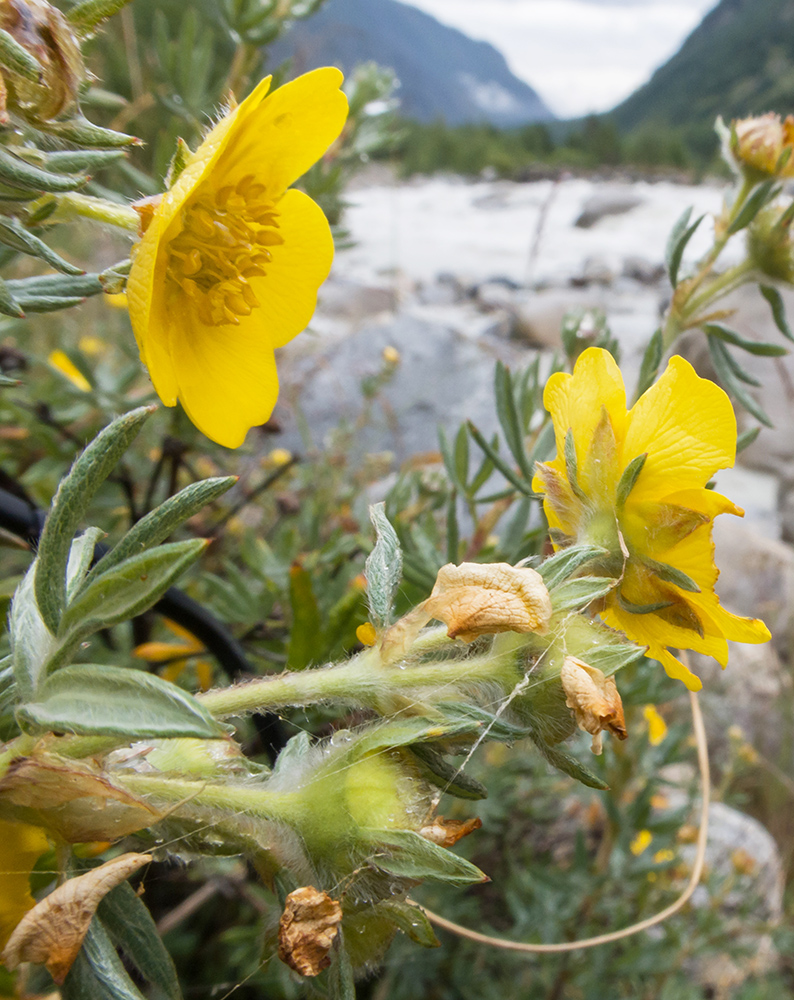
x,y
579,55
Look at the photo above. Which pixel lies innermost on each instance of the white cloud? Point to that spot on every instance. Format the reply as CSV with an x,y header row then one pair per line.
x,y
580,55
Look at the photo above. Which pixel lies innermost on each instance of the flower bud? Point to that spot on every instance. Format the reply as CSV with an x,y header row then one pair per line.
x,y
764,145
44,32
769,244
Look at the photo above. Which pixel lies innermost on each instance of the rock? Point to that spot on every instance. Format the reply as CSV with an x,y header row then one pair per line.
x,y
538,316
446,290
496,295
642,270
354,302
445,375
595,271
610,200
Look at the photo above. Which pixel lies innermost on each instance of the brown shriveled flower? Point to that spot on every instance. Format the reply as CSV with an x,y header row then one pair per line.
x,y
307,930
595,700
52,932
761,142
447,832
484,598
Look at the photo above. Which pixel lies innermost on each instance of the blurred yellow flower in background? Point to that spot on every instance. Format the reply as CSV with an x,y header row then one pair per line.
x,y
23,845
230,262
633,482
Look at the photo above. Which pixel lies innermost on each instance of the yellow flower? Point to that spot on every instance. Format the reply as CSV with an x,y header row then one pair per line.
x,y
657,727
230,263
634,482
23,845
761,142
61,362
641,842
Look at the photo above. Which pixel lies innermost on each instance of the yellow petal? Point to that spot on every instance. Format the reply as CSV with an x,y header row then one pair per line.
x,y
288,292
657,727
227,376
575,401
674,668
64,364
687,427
641,842
288,132
159,652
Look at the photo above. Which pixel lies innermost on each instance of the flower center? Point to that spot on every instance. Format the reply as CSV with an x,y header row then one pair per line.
x,y
223,244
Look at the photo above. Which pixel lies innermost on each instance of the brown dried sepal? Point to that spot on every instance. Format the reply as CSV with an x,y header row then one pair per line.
x,y
595,700
75,799
52,932
307,930
476,599
446,832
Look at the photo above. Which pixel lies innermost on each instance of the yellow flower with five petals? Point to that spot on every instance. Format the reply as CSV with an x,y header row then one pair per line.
x,y
231,259
633,482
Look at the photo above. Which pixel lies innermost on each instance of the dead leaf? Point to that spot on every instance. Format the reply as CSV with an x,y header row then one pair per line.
x,y
52,932
484,598
307,930
446,832
595,700
74,799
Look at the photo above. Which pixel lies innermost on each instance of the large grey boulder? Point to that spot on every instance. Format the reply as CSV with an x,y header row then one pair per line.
x,y
612,199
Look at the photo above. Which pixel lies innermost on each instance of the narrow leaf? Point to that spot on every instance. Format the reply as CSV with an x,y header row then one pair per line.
x,y
99,700
71,501
157,525
670,574
80,556
443,773
409,855
775,300
9,306
724,370
306,643
15,170
17,59
13,234
499,462
383,568
509,419
412,921
651,360
82,132
763,193
104,967
758,347
677,244
569,765
746,438
128,921
88,14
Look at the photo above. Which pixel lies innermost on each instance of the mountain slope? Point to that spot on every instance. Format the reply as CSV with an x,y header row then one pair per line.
x,y
443,73
738,61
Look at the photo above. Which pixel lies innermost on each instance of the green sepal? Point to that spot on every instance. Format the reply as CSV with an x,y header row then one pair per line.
x,y
572,465
411,920
671,575
383,568
127,919
158,524
628,479
642,609
615,656
578,593
444,775
71,501
99,700
179,161
461,714
565,563
775,300
17,59
758,347
408,855
14,235
15,170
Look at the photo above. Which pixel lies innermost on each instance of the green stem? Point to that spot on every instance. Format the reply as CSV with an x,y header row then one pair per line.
x,y
717,289
361,681
20,747
247,799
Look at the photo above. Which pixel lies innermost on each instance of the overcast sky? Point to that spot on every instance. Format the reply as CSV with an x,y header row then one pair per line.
x,y
579,55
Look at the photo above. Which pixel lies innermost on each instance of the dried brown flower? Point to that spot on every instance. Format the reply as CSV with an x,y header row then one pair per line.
x,y
307,930
595,700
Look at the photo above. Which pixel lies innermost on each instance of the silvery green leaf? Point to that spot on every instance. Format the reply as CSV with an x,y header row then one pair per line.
x,y
17,59
776,304
98,973
88,14
412,921
98,700
611,658
163,521
569,765
32,643
575,594
80,556
77,488
383,568
409,855
125,591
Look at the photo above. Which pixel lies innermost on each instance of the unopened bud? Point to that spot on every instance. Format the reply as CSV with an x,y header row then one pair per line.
x,y
765,144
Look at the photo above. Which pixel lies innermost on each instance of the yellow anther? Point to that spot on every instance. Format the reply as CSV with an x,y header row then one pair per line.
x,y
192,264
267,238
244,184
